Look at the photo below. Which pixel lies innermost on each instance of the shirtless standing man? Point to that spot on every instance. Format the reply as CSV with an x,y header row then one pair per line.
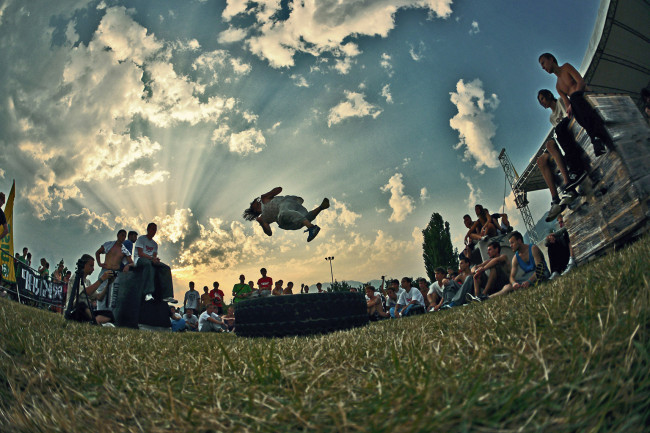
x,y
115,252
571,87
530,259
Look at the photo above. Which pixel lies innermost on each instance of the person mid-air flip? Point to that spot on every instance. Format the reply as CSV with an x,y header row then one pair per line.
x,y
287,211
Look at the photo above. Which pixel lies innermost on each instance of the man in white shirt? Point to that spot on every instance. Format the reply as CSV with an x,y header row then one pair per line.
x,y
209,321
442,290
146,258
410,301
192,298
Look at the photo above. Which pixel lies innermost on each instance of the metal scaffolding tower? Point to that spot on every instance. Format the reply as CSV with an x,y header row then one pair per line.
x,y
521,199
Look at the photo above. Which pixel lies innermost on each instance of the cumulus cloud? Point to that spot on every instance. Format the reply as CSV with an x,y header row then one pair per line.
x,y
75,127
401,204
417,53
424,194
474,28
319,27
475,193
249,141
354,105
231,35
474,123
299,80
385,92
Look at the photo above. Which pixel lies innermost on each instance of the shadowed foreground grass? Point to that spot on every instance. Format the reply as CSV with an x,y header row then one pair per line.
x,y
572,355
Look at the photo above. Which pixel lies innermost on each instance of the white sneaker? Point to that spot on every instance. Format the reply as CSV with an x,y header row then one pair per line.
x,y
554,275
570,266
108,325
148,298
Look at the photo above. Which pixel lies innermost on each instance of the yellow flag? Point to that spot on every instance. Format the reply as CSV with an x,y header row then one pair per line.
x,y
7,243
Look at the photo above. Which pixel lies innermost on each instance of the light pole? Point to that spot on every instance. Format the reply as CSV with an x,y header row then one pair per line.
x,y
329,259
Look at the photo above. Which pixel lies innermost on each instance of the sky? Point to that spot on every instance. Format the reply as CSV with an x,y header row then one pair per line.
x,y
117,113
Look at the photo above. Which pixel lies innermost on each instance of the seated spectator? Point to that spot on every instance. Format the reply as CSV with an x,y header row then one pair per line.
x,y
130,240
559,253
465,270
289,289
393,292
319,287
146,258
229,319
374,304
451,273
423,287
442,290
209,321
410,301
191,321
489,228
473,230
87,296
277,290
499,267
530,259
240,291
503,226
178,323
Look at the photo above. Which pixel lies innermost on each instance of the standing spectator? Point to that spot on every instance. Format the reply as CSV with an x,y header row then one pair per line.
x,y
319,287
57,275
23,258
29,259
205,299
217,295
44,269
410,301
146,258
240,291
192,298
191,321
265,283
209,321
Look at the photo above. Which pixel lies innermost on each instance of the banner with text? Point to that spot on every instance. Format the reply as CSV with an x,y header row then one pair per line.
x,y
30,283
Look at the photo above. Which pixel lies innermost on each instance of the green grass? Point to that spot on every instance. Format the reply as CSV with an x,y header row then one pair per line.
x,y
571,355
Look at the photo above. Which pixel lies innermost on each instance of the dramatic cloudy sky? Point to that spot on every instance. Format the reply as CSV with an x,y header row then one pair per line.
x,y
117,113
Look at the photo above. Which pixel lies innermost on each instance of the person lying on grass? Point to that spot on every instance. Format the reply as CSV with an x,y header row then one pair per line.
x,y
287,211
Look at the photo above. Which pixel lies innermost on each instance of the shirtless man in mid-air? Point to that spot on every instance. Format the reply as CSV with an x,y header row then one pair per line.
x,y
287,211
571,87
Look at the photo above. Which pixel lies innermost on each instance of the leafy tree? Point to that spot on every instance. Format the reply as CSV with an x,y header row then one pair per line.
x,y
437,248
343,286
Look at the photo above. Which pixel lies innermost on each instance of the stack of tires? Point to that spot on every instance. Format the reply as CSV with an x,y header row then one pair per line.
x,y
312,313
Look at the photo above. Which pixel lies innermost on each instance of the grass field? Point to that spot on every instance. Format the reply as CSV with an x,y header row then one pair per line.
x,y
571,355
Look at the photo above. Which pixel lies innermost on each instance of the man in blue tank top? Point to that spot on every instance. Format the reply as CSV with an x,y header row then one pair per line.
x,y
530,259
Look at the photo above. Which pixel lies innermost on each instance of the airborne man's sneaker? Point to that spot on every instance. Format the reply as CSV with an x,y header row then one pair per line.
x,y
313,231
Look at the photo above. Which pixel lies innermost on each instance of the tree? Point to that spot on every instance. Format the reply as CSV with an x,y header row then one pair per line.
x,y
343,286
437,248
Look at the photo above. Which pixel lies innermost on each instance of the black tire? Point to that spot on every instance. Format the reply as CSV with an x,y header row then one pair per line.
x,y
311,313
